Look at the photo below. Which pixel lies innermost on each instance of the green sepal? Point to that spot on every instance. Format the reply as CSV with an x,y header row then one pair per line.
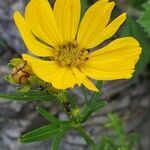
x,y
24,89
15,62
10,79
34,80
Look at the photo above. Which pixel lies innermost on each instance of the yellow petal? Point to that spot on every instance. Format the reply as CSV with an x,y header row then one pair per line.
x,y
30,60
64,78
94,22
82,79
44,17
31,16
115,61
36,47
111,29
67,14
90,85
79,76
50,71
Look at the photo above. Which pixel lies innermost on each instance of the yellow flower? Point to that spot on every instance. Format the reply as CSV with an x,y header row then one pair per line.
x,y
63,45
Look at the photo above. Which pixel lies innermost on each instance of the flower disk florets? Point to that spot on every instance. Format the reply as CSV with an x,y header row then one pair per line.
x,y
70,54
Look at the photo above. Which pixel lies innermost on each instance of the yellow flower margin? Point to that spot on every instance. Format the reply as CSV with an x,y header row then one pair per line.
x,y
48,31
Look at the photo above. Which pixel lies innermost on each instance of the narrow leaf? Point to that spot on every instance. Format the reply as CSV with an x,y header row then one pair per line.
x,y
48,116
98,106
29,96
40,134
88,110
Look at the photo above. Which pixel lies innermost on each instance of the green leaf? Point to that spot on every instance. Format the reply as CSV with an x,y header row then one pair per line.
x,y
144,19
40,134
98,106
136,3
115,123
118,139
123,148
106,143
48,116
133,29
29,96
64,127
88,110
57,140
94,105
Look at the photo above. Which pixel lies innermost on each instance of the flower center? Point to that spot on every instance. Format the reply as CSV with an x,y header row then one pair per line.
x,y
70,54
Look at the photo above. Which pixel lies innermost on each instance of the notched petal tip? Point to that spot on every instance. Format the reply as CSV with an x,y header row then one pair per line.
x,y
112,4
90,85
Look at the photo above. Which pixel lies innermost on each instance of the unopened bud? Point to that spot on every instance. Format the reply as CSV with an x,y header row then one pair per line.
x,y
21,73
75,112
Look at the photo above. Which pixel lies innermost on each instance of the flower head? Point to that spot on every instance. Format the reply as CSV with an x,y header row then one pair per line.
x,y
63,45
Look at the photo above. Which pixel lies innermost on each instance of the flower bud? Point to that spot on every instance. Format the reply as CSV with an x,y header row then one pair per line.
x,y
21,73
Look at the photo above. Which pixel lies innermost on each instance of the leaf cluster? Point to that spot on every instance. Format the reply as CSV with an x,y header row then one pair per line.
x,y
118,139
56,129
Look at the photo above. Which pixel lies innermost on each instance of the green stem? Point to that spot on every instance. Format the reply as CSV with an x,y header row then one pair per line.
x,y
87,137
57,141
71,99
69,103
